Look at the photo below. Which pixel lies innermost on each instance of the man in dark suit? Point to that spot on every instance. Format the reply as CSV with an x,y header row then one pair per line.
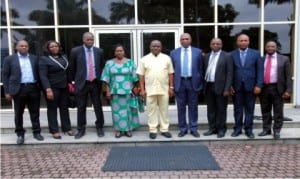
x,y
188,81
277,87
20,80
86,64
218,77
247,83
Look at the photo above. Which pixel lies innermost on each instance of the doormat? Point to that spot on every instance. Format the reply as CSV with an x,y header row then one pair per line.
x,y
160,158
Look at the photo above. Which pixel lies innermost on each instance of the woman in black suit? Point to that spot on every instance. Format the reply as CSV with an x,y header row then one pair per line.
x,y
53,74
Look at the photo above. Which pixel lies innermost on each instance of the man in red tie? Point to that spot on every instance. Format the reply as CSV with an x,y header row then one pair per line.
x,y
86,65
277,87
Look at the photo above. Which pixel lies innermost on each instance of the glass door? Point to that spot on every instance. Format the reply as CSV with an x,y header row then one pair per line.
x,y
136,42
107,39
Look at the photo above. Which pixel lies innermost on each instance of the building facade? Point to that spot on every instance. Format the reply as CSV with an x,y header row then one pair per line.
x,y
134,23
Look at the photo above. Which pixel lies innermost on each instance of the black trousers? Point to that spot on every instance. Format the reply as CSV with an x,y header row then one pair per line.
x,y
92,89
216,109
270,98
29,95
61,102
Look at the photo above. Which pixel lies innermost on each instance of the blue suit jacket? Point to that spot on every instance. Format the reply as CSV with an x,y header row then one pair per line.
x,y
252,73
197,68
12,73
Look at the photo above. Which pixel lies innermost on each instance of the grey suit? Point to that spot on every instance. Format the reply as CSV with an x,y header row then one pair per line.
x,y
271,95
83,88
216,101
23,93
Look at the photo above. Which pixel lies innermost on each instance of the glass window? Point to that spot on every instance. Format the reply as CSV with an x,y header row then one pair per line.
x,y
158,11
31,12
70,38
72,12
167,40
238,11
3,13
201,36
285,7
282,34
4,52
196,11
35,37
113,12
228,35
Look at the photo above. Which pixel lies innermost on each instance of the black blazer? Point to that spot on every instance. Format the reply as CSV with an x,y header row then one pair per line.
x,y
284,79
51,74
12,73
78,65
224,72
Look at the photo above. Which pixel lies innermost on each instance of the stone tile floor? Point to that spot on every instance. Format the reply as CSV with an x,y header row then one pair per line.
x,y
86,160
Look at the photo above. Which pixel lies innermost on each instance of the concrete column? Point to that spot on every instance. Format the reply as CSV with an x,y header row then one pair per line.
x,y
296,79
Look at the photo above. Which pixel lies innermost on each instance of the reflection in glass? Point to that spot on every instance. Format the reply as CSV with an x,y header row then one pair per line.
x,y
35,37
71,37
237,11
228,35
4,52
158,11
113,11
282,35
201,36
3,13
285,7
196,11
167,40
72,12
31,12
108,41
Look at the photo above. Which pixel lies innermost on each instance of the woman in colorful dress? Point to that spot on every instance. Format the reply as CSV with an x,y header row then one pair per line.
x,y
119,76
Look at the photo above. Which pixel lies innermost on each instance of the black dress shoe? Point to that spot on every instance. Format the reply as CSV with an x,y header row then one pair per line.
x,y
166,134
195,134
276,135
79,134
264,133
182,133
20,140
209,132
250,135
152,135
100,132
38,136
236,133
221,134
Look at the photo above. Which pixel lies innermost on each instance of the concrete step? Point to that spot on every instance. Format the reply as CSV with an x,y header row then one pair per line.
x,y
7,118
288,135
290,131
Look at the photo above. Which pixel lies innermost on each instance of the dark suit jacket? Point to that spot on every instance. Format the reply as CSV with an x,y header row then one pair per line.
x,y
224,72
78,69
252,73
51,74
284,79
12,73
197,68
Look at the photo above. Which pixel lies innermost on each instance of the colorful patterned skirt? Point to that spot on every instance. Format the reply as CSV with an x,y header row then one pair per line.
x,y
124,110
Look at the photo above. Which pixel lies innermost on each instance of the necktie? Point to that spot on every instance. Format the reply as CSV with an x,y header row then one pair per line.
x,y
185,67
243,57
267,78
91,76
210,66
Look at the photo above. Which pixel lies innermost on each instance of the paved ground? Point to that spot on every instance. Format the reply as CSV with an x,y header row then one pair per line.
x,y
86,160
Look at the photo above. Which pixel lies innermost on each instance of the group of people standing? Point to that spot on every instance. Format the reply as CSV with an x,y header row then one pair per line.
x,y
242,74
